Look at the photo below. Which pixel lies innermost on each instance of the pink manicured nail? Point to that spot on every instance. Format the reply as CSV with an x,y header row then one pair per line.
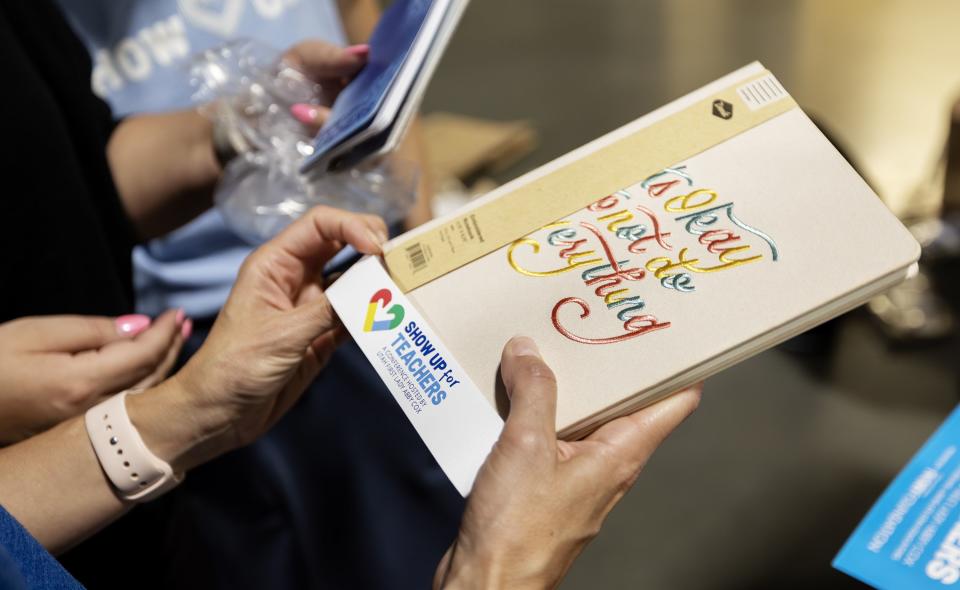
x,y
180,315
131,325
187,329
307,114
361,50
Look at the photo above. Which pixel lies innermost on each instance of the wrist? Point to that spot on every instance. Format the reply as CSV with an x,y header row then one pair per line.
x,y
176,426
208,167
477,571
227,142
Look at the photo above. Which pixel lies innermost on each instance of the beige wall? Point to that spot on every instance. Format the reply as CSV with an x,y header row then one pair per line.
x,y
881,74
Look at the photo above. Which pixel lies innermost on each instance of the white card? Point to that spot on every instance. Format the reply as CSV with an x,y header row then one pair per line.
x,y
450,414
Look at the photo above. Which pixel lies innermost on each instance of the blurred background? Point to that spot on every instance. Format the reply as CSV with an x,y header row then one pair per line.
x,y
789,450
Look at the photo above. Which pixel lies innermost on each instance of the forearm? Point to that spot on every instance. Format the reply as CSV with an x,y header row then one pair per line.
x,y
54,485
164,168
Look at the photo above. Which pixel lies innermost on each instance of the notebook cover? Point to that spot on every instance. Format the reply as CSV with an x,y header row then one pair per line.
x,y
672,270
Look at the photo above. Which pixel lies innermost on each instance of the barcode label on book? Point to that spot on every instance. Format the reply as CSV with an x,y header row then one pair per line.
x,y
416,256
761,92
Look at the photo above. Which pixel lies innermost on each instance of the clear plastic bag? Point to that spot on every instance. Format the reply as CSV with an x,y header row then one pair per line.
x,y
245,86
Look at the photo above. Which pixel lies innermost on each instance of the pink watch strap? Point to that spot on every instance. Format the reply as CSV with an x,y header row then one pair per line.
x,y
137,474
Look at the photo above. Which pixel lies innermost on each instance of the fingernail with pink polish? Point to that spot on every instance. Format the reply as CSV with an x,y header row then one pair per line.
x,y
307,114
131,325
361,50
186,329
180,316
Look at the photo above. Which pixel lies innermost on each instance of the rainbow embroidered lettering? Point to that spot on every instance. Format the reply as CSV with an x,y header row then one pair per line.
x,y
628,221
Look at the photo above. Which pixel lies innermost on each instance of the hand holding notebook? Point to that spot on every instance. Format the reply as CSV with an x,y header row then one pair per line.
x,y
643,262
538,501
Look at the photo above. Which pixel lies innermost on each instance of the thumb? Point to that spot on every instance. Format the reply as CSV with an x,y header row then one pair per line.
x,y
532,388
77,333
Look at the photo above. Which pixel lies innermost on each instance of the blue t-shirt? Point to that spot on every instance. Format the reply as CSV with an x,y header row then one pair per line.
x,y
139,50
25,564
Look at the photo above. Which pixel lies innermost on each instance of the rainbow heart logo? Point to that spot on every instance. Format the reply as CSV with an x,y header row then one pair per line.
x,y
381,299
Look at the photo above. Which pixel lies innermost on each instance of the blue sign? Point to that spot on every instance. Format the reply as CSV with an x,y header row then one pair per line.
x,y
911,536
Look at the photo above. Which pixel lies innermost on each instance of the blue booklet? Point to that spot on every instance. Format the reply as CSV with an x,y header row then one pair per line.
x,y
911,536
373,110
357,105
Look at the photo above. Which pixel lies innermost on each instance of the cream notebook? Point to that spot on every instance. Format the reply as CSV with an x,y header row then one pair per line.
x,y
671,276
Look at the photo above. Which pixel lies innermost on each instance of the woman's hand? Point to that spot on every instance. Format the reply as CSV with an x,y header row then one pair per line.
x,y
331,67
164,164
538,501
273,335
55,367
